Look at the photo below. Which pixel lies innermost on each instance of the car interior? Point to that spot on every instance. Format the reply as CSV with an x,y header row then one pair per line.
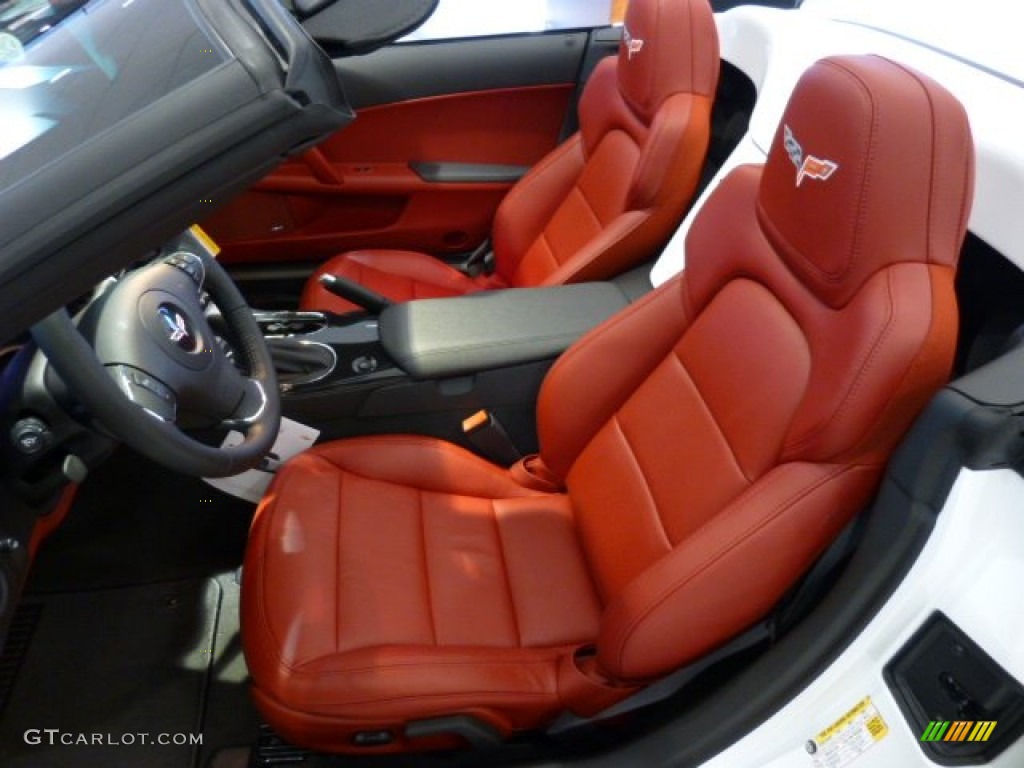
x,y
544,512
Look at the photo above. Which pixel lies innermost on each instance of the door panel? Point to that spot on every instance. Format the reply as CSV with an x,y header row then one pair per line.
x,y
417,70
500,102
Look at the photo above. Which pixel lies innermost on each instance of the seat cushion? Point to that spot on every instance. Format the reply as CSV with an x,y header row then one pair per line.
x,y
398,275
397,578
608,198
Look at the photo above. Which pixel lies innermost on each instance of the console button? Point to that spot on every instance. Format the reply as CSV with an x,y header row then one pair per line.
x,y
365,364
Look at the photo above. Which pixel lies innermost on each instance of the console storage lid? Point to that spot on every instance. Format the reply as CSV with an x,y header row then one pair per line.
x,y
436,338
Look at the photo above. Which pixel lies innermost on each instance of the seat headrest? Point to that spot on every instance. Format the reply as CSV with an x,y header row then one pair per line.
x,y
872,165
668,47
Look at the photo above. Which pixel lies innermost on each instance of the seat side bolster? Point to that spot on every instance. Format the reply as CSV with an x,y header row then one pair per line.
x,y
673,154
530,204
664,182
731,572
596,376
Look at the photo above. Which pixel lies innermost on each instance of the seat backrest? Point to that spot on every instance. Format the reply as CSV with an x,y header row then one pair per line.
x,y
610,196
717,435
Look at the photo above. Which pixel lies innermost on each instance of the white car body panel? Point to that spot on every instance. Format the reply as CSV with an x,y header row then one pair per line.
x,y
773,48
971,569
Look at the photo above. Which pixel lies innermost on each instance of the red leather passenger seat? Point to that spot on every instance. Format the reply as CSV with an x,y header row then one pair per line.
x,y
712,439
606,199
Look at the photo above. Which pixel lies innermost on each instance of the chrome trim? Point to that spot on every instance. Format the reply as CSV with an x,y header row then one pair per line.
x,y
269,317
154,414
313,378
248,421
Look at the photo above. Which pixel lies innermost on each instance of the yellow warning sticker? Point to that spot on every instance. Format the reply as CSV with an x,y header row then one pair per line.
x,y
848,737
205,240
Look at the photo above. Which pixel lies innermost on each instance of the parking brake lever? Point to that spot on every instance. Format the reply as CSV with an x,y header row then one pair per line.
x,y
351,291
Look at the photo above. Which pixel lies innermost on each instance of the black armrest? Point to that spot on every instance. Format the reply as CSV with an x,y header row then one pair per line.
x,y
436,338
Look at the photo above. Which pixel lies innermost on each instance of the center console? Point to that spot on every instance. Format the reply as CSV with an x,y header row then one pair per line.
x,y
425,366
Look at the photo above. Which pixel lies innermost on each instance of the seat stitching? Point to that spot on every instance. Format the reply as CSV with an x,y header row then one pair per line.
x,y
863,369
506,574
472,696
616,422
275,643
674,354
426,564
593,212
337,566
622,237
544,165
396,441
546,242
303,668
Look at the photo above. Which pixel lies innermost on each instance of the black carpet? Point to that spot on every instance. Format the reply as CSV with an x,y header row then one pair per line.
x,y
109,649
116,666
134,522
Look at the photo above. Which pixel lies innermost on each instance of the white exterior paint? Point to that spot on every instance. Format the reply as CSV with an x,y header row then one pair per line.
x,y
972,569
773,48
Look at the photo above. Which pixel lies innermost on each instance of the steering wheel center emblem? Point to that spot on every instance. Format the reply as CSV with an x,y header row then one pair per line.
x,y
178,329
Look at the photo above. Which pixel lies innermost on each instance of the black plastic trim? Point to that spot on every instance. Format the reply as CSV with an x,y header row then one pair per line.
x,y
476,733
437,68
942,675
468,173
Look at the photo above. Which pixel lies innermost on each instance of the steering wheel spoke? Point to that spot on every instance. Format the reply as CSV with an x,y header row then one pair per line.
x,y
251,408
146,391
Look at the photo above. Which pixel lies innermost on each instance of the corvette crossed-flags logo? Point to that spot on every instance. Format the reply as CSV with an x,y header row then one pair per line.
x,y
807,166
633,45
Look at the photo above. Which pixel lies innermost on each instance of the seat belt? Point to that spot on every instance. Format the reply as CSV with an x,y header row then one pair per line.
x,y
793,607
480,261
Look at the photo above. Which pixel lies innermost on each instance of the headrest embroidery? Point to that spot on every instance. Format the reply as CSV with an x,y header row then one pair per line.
x,y
807,166
633,45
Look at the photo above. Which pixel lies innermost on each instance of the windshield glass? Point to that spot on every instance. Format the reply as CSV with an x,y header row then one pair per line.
x,y
99,63
23,20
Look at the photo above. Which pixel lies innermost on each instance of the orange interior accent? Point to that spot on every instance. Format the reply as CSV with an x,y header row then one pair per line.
x,y
477,420
52,521
357,191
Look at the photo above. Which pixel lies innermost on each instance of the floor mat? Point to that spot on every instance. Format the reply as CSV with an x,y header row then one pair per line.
x,y
135,522
115,673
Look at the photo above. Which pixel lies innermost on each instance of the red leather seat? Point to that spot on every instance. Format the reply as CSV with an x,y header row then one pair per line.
x,y
711,439
607,198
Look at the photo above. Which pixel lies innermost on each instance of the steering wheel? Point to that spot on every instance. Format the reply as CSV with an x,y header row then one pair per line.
x,y
144,354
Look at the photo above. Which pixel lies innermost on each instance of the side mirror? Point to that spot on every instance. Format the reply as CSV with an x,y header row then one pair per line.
x,y
355,27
